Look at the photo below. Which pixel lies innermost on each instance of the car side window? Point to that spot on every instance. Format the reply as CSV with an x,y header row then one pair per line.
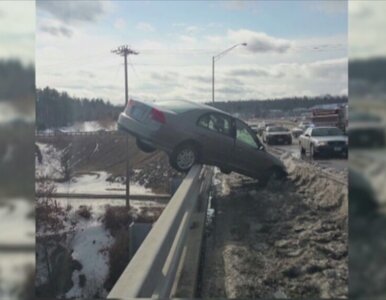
x,y
243,135
215,122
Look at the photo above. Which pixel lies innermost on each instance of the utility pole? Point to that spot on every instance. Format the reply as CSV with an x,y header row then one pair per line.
x,y
125,51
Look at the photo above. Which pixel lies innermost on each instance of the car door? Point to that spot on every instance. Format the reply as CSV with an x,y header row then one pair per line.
x,y
248,155
307,139
215,132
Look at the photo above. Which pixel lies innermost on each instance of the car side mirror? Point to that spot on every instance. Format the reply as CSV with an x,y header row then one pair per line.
x,y
307,135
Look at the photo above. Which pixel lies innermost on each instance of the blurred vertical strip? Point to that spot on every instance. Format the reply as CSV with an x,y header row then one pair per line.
x,y
17,115
367,158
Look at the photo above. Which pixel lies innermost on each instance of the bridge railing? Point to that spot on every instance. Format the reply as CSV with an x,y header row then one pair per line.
x,y
152,272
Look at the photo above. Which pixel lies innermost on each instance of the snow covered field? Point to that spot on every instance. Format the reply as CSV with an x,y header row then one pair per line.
x,y
87,126
97,183
92,182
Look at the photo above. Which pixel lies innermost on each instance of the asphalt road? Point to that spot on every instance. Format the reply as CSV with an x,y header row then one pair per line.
x,y
333,163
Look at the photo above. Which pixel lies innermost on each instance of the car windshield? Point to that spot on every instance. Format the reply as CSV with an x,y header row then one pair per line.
x,y
277,129
328,131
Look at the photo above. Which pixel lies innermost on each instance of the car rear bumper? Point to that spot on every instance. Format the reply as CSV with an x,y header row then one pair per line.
x,y
279,139
148,135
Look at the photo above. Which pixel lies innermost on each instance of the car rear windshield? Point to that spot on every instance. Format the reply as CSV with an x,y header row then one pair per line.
x,y
326,132
176,106
277,129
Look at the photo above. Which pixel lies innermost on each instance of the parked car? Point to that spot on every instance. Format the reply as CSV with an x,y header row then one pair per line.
x,y
305,124
193,133
254,128
296,132
325,141
277,135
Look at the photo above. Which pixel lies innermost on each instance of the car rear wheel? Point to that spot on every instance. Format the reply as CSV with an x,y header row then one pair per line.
x,y
144,147
184,157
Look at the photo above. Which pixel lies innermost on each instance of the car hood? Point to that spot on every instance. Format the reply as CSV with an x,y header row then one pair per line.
x,y
297,129
330,138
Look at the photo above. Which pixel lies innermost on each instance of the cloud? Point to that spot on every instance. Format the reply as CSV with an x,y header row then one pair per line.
x,y
200,78
328,68
192,29
143,26
249,72
59,30
259,41
74,11
120,23
239,5
165,76
187,39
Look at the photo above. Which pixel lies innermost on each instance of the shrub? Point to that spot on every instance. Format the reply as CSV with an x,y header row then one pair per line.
x,y
117,218
84,212
119,258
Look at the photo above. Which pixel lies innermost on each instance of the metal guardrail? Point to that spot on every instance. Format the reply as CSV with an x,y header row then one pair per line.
x,y
152,271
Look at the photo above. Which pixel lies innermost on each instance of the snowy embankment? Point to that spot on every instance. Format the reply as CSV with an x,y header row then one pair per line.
x,y
98,182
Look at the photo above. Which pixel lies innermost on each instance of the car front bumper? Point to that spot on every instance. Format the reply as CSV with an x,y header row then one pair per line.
x,y
330,150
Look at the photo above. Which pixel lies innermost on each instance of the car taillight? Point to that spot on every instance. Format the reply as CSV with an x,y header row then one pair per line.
x,y
129,105
158,116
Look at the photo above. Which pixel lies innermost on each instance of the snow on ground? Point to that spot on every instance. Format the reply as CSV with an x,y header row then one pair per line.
x,y
99,205
15,225
90,244
50,166
87,126
96,183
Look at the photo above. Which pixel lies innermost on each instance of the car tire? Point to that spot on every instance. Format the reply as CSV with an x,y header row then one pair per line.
x,y
302,150
312,152
273,174
184,157
144,147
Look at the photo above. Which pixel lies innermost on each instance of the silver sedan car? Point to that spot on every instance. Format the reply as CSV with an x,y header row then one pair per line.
x,y
191,133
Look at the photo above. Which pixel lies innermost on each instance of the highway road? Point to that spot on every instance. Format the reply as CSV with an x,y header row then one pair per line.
x,y
338,164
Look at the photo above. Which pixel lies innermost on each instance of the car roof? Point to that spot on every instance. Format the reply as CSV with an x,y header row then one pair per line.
x,y
182,106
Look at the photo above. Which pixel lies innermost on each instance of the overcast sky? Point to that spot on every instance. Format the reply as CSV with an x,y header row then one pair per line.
x,y
295,48
17,30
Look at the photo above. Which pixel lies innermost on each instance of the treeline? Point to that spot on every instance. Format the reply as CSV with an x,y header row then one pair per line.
x,y
260,108
16,80
56,109
372,70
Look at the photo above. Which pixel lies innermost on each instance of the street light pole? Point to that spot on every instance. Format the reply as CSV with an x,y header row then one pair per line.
x,y
218,56
212,79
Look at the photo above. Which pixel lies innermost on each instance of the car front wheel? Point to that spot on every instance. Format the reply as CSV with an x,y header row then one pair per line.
x,y
184,157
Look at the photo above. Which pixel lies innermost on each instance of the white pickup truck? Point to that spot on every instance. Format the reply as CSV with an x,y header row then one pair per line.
x,y
323,141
